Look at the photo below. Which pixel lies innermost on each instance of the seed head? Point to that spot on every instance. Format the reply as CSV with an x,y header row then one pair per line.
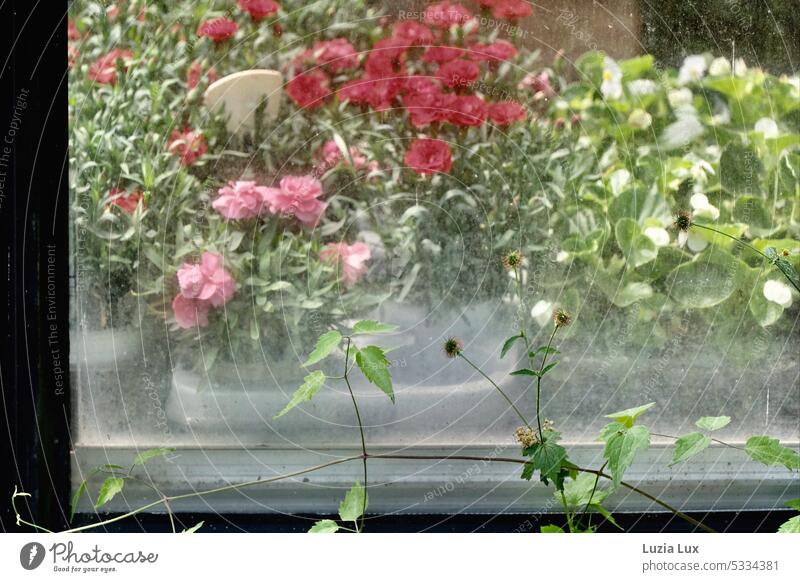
x,y
683,220
786,252
526,436
512,260
452,347
562,318
548,425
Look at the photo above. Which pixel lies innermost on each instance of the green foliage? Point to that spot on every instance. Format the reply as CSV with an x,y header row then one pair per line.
x,y
792,525
688,446
509,343
548,458
769,451
622,444
145,456
194,528
326,343
551,529
111,486
369,326
354,504
712,423
324,526
311,385
372,362
628,416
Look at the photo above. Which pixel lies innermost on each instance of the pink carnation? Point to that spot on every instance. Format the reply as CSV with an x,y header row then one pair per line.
x,y
429,156
444,15
217,29
500,50
353,259
190,313
467,111
330,155
188,144
458,73
412,32
309,90
506,112
442,54
207,281
511,9
337,54
240,200
104,69
297,196
259,9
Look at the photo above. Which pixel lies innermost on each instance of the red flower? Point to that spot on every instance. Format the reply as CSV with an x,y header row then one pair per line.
x,y
259,9
337,54
309,90
444,15
467,111
195,72
538,84
497,51
426,108
217,29
428,156
386,58
420,84
506,112
188,144
511,9
356,92
380,93
412,32
127,201
104,69
458,73
442,54
72,31
72,54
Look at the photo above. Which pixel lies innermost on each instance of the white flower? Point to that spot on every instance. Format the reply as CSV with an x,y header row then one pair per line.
x,y
640,119
778,292
739,68
767,127
695,241
658,235
692,69
562,256
719,67
611,87
703,208
639,87
680,97
541,312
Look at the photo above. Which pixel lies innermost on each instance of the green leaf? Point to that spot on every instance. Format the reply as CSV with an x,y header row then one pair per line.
x,y
547,368
790,526
712,423
769,451
637,248
740,169
793,503
508,344
527,471
524,372
111,486
145,456
551,529
324,526
326,343
194,528
543,349
628,416
578,490
354,503
708,280
621,447
76,497
547,458
371,326
688,446
311,385
373,363
606,514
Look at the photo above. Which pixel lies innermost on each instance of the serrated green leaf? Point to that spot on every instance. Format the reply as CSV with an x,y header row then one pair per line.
x,y
371,326
311,385
509,343
547,458
372,362
194,528
527,471
628,416
769,451
605,513
76,497
324,526
621,448
712,423
354,503
145,456
790,526
793,503
688,446
326,343
111,486
550,529
578,490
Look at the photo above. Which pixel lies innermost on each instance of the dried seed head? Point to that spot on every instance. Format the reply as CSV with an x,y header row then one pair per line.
x,y
512,260
548,425
562,318
526,436
786,252
683,220
452,347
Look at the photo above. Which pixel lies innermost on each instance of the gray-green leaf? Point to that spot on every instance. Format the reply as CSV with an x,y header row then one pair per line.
x,y
688,446
621,448
629,415
791,526
371,326
712,423
145,456
373,363
311,385
324,526
326,343
770,452
111,486
354,504
509,344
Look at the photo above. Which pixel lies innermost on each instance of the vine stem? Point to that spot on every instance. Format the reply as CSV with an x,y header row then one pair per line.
x,y
500,390
591,496
669,436
361,431
539,384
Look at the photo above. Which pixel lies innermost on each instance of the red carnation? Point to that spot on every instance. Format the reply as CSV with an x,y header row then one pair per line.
x,y
72,31
195,72
426,108
442,54
337,54
127,201
458,73
497,51
412,32
428,156
188,144
511,9
309,90
380,93
444,15
506,112
217,29
356,92
259,9
420,84
468,111
104,69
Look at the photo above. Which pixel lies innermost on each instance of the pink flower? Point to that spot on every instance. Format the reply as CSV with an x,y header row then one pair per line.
x,y
467,111
259,9
336,55
419,84
511,9
297,196
195,72
426,108
188,144
444,15
538,83
72,31
353,260
240,200
458,73
356,92
330,155
442,54
309,90
506,112
428,156
127,201
207,281
412,32
380,93
217,29
190,313
104,69
497,51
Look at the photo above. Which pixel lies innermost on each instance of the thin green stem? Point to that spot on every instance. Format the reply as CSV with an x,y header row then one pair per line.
x,y
566,511
539,385
361,431
500,390
669,436
738,240
591,496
